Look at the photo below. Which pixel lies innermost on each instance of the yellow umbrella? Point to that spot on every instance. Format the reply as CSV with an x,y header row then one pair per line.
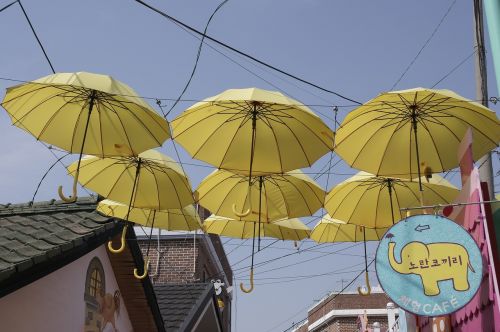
x,y
285,229
150,180
86,113
334,230
375,202
186,219
288,195
253,131
412,132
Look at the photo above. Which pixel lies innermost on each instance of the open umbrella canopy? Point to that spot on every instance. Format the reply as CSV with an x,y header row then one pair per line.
x,y
288,195
151,180
334,230
383,135
285,229
186,219
66,109
375,202
253,131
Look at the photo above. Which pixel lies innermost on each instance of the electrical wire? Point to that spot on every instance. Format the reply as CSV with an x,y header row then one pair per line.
x,y
425,45
36,36
197,56
173,19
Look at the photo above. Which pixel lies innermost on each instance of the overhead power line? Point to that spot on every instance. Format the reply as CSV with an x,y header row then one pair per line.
x,y
36,36
173,19
425,45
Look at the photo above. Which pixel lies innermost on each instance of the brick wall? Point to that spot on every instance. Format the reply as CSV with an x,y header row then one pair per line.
x,y
348,301
176,260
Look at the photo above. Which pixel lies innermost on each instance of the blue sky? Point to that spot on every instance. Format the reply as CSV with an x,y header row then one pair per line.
x,y
357,48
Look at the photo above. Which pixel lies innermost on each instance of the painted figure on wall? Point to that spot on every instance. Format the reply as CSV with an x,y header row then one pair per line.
x,y
100,307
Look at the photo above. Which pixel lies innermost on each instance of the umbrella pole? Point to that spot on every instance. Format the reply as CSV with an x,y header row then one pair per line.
x,y
414,122
260,206
367,279
252,152
389,187
110,243
242,287
146,261
75,179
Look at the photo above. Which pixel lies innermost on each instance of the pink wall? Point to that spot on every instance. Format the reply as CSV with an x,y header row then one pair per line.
x,y
56,302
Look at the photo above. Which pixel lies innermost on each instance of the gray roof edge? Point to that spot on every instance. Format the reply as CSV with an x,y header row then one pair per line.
x,y
195,311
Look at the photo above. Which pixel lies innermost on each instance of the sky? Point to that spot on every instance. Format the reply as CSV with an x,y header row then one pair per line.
x,y
356,48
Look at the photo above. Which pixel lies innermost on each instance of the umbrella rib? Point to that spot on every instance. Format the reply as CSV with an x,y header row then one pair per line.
x,y
212,134
34,108
277,147
147,129
115,182
357,204
433,142
123,128
386,148
475,128
405,185
52,118
350,191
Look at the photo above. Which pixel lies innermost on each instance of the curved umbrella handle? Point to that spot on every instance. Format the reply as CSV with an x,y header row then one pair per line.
x,y
145,270
72,198
122,247
240,214
368,287
248,290
247,212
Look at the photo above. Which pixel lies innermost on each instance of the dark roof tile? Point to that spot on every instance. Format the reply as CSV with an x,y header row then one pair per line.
x,y
179,302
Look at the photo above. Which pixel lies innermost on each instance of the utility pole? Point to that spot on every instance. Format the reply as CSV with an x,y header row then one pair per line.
x,y
485,164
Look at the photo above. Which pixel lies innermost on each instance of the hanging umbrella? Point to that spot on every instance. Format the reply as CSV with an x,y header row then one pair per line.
x,y
288,195
375,202
150,180
334,230
186,219
285,229
85,113
253,131
411,132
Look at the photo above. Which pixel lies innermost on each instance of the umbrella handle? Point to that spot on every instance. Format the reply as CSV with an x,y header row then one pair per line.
x,y
247,212
368,287
122,247
72,198
248,290
145,270
240,214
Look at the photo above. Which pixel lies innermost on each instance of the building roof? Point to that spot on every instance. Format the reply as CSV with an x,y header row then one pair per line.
x,y
182,304
37,239
40,238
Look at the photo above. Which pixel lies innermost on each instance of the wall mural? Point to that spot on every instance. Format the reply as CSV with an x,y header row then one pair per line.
x,y
101,308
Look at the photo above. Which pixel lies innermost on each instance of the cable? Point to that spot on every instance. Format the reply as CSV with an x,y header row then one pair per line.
x,y
425,45
36,36
455,68
197,56
243,53
329,300
7,6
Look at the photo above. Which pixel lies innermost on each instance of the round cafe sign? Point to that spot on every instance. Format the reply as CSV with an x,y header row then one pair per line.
x,y
429,265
